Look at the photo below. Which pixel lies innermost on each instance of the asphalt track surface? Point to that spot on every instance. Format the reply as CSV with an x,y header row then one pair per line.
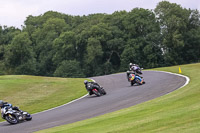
x,y
120,94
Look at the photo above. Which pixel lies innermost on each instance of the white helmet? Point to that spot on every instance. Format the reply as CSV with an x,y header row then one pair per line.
x,y
85,82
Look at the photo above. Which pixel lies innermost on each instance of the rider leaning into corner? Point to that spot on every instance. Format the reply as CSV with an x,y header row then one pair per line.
x,y
8,105
135,69
94,85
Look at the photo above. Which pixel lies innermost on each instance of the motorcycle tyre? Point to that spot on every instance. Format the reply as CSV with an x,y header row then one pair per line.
x,y
10,121
97,93
103,92
138,82
132,83
28,118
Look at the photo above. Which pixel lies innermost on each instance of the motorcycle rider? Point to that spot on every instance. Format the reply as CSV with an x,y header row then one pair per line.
x,y
135,68
8,105
94,85
130,66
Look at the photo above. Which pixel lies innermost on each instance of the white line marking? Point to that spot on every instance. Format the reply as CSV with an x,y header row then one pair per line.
x,y
63,104
57,106
187,81
186,77
60,105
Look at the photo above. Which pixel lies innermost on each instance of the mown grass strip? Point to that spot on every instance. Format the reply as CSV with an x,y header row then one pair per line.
x,y
35,93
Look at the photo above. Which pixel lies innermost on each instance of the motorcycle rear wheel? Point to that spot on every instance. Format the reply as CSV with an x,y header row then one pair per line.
x,y
132,83
97,93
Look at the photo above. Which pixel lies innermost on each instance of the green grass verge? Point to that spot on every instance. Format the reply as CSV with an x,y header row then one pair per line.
x,y
177,112
35,93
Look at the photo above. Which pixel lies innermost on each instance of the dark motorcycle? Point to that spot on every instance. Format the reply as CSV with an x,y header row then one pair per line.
x,y
139,70
14,116
136,71
94,89
136,79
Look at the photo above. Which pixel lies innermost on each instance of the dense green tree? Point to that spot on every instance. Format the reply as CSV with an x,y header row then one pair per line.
x,y
69,68
191,51
7,34
139,23
57,44
129,55
143,39
173,22
116,19
115,48
192,38
64,47
44,38
93,57
19,55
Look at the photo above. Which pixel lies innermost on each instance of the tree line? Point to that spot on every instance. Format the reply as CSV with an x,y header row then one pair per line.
x,y
62,45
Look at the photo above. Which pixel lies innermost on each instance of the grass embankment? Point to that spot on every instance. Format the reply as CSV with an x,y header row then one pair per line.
x,y
178,111
35,94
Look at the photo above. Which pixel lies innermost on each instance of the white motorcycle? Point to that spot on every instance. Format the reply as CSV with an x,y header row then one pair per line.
x,y
14,116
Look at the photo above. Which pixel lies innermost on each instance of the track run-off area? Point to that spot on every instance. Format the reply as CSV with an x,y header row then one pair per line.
x,y
120,94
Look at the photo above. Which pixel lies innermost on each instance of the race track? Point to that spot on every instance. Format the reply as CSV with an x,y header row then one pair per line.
x,y
119,95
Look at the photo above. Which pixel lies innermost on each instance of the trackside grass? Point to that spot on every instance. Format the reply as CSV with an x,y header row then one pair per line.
x,y
35,93
177,112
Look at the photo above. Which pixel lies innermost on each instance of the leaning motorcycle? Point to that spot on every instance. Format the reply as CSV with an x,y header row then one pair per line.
x,y
139,70
136,79
94,90
14,116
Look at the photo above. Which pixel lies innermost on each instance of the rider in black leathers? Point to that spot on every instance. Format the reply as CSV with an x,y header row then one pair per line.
x,y
94,85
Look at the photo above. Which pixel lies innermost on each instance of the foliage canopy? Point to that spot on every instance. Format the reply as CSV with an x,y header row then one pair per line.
x,y
56,44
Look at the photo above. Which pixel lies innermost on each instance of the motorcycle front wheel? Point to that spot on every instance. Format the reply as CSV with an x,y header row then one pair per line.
x,y
28,117
103,91
138,82
11,119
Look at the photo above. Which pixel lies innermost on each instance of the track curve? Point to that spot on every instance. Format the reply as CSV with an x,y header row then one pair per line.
x,y
119,95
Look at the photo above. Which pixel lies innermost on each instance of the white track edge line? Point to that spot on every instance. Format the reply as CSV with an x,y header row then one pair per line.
x,y
186,77
63,104
60,105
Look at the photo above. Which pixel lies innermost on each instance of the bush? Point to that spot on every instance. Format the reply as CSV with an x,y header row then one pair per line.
x,y
69,68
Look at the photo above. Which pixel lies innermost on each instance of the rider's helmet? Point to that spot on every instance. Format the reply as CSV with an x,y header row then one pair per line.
x,y
131,64
1,103
85,82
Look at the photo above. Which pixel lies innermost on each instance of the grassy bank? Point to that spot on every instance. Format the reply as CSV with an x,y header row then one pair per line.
x,y
35,94
178,111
